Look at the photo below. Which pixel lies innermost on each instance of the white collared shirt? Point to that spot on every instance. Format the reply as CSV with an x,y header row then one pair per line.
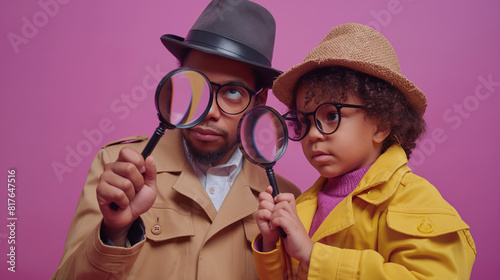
x,y
217,180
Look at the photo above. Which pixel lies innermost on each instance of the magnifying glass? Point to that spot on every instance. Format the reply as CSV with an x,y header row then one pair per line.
x,y
183,99
263,138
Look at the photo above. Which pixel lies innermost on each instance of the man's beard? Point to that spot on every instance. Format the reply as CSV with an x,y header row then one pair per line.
x,y
210,157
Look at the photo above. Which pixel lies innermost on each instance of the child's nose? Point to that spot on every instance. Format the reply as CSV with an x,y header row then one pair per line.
x,y
315,134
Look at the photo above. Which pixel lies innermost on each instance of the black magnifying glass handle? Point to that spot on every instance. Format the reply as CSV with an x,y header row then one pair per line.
x,y
274,185
272,181
160,130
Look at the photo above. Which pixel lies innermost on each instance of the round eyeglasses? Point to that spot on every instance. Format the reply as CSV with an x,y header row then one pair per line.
x,y
327,118
233,98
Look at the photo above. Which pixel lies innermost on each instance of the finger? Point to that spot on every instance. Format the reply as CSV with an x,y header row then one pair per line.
x,y
130,155
266,205
106,194
285,197
262,218
130,172
281,213
264,196
269,190
150,173
284,206
280,221
116,180
263,215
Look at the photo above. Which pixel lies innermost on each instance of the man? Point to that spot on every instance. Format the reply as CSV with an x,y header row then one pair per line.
x,y
187,211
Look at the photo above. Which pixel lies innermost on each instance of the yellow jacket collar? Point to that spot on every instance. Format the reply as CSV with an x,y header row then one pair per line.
x,y
378,184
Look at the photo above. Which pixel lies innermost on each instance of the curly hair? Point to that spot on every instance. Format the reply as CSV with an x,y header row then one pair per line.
x,y
383,102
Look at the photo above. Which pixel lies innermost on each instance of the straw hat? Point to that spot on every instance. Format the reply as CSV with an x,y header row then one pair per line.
x,y
357,47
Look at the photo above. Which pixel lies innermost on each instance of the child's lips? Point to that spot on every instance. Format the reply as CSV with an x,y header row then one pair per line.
x,y
319,156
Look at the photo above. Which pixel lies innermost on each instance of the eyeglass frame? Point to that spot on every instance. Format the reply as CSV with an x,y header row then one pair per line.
x,y
338,106
251,94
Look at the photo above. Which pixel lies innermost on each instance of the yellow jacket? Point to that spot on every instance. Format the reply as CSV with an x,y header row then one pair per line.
x,y
394,225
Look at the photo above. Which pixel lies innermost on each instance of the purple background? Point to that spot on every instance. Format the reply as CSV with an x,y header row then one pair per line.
x,y
79,74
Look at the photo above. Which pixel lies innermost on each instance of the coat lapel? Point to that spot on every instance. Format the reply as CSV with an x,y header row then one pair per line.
x,y
342,216
188,183
241,201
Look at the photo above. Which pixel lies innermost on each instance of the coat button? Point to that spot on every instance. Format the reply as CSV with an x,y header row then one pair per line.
x,y
373,194
156,229
425,227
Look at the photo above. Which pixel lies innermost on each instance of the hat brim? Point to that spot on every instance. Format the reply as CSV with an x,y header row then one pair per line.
x,y
284,85
179,48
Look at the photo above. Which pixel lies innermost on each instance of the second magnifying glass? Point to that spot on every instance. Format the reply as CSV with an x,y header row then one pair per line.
x,y
263,138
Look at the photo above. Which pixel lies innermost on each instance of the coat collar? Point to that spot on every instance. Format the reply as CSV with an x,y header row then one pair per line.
x,y
378,185
382,179
170,144
241,200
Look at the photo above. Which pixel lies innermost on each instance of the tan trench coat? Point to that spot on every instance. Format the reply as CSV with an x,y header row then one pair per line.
x,y
186,238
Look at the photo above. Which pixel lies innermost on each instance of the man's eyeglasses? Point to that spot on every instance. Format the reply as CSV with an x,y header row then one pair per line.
x,y
233,98
327,118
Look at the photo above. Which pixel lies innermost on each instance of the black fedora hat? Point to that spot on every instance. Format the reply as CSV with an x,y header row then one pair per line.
x,y
240,30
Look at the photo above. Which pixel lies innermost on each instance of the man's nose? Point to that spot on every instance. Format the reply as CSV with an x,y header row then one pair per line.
x,y
214,112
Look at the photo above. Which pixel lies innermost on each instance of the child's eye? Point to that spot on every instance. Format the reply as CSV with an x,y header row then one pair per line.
x,y
332,116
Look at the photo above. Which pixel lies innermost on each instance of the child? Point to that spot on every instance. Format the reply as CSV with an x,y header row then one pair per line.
x,y
367,216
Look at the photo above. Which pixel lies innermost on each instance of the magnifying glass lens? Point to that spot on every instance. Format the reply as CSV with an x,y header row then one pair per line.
x,y
183,98
262,135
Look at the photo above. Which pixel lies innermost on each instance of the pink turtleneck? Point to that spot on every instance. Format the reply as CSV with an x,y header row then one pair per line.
x,y
335,189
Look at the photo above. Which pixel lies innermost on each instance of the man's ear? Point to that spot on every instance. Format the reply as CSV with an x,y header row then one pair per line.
x,y
261,98
381,133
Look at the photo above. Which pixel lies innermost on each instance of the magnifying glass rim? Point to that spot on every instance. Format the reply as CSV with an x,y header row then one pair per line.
x,y
285,130
157,97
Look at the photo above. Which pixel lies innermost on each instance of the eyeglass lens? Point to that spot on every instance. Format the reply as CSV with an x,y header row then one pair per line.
x,y
326,118
233,98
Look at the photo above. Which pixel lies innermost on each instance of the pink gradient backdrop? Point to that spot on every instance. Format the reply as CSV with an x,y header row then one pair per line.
x,y
73,64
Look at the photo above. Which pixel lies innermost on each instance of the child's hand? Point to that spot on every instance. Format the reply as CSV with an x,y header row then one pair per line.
x,y
284,215
266,205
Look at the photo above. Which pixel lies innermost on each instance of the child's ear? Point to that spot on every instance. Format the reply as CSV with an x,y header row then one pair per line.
x,y
382,132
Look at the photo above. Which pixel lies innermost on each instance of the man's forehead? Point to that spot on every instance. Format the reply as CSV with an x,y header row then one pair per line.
x,y
220,69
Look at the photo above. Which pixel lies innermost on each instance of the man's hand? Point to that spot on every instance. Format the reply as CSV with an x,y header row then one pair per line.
x,y
130,183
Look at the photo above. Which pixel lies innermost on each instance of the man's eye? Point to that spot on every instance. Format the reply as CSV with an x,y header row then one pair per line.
x,y
234,93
